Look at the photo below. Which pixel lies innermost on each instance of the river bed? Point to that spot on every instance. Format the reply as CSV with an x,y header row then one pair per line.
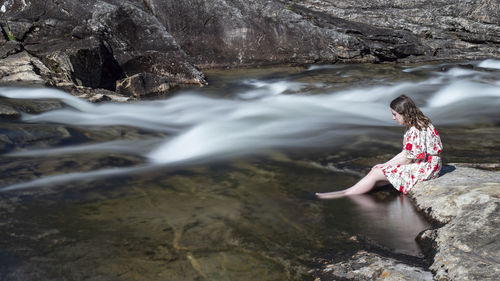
x,y
217,183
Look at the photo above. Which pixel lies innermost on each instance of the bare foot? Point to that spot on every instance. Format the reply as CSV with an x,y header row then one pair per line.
x,y
330,195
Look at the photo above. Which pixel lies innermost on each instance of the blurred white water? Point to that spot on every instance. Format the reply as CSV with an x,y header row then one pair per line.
x,y
494,64
264,115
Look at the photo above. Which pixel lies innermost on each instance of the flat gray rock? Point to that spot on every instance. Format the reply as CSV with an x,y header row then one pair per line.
x,y
467,202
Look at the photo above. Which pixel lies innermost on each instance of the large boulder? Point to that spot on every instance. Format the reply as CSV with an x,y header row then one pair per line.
x,y
466,202
84,62
241,32
237,32
140,43
95,43
448,29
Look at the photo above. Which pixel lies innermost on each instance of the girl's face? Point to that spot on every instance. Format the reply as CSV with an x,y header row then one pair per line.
x,y
397,117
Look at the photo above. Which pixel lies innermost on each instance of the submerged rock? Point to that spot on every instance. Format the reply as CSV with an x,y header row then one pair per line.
x,y
143,84
467,202
365,266
7,111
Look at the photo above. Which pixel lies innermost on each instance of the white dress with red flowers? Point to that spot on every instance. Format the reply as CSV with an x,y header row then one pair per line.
x,y
424,148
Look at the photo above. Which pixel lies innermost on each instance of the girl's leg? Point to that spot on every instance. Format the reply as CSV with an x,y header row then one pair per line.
x,y
374,178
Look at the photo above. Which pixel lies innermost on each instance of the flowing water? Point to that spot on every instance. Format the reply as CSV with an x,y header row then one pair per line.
x,y
216,183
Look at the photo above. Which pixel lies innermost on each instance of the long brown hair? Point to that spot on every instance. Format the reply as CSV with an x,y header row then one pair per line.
x,y
412,116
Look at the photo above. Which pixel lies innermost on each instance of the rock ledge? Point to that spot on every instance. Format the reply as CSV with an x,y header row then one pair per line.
x,y
465,203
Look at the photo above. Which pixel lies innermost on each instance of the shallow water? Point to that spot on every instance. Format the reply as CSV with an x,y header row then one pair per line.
x,y
216,183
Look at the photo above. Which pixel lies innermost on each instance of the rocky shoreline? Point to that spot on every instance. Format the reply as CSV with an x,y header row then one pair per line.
x,y
124,50
464,203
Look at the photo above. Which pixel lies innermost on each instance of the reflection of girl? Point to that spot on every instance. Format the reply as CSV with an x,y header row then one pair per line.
x,y
419,161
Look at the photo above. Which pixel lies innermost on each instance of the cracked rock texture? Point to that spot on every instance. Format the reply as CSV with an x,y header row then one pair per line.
x,y
467,202
139,48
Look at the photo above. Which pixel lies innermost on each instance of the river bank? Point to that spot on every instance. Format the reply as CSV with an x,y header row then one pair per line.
x,y
137,49
465,245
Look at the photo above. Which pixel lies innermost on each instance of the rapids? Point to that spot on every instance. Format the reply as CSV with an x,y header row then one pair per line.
x,y
259,114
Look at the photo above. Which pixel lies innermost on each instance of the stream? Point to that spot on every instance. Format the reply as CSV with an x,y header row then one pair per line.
x,y
217,183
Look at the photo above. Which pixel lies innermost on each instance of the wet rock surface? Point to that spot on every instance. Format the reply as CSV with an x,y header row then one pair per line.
x,y
93,44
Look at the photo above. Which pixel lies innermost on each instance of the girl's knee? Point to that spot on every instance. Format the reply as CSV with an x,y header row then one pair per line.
x,y
377,173
376,170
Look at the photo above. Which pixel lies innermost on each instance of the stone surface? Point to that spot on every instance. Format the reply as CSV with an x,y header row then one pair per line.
x,y
248,32
9,48
86,62
20,69
467,202
365,266
143,84
446,29
95,43
7,111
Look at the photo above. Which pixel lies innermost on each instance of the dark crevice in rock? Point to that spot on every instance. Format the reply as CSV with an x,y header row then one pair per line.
x,y
7,32
36,69
30,30
148,7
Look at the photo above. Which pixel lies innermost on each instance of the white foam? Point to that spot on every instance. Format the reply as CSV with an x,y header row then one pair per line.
x,y
324,66
418,68
490,63
62,178
457,72
122,146
45,93
262,89
201,128
280,121
462,91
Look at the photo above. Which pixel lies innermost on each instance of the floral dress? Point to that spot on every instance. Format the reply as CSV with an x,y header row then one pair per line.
x,y
423,148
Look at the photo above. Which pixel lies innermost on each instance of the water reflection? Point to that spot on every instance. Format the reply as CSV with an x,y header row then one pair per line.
x,y
393,224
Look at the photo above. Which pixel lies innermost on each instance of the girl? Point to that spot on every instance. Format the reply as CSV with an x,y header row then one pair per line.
x,y
419,161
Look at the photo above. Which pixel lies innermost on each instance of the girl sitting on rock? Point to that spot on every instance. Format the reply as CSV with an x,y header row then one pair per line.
x,y
418,161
